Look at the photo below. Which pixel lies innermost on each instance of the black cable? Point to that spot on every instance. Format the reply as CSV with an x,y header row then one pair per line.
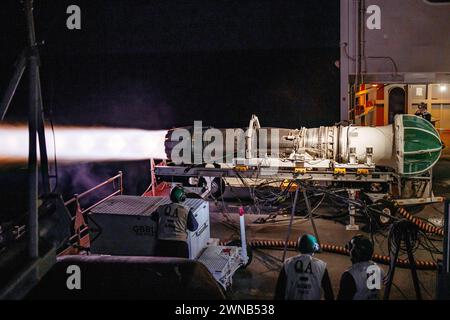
x,y
400,291
401,232
403,238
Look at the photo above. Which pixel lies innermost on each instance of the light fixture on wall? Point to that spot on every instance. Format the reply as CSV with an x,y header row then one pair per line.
x,y
443,88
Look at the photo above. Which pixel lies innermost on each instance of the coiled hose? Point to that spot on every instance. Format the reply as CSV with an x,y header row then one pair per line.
x,y
401,263
425,227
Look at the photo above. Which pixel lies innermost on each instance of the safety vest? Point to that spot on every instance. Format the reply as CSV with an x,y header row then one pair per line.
x,y
304,276
368,278
172,222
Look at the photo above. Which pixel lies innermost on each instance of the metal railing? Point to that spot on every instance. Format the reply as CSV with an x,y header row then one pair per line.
x,y
76,198
117,180
154,185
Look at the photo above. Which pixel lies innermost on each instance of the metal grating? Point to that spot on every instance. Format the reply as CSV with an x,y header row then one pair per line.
x,y
139,206
213,259
128,205
190,203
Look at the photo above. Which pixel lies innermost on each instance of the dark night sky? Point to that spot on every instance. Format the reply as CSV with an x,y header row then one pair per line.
x,y
132,26
160,64
180,61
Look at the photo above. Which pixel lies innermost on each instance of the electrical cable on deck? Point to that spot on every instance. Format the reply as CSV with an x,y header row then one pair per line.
x,y
421,224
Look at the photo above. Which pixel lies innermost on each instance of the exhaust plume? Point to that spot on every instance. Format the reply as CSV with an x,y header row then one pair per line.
x,y
85,144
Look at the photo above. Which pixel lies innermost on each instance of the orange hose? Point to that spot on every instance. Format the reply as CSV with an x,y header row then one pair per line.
x,y
421,224
401,263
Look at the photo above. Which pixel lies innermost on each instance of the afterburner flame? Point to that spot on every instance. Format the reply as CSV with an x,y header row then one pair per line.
x,y
78,144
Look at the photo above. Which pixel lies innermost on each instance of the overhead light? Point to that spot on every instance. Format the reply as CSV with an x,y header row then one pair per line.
x,y
443,88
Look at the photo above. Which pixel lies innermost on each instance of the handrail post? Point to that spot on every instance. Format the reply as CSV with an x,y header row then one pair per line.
x,y
121,181
76,236
152,176
78,211
119,188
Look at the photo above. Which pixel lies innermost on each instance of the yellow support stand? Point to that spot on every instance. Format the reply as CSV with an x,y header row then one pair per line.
x,y
241,168
340,171
300,170
363,172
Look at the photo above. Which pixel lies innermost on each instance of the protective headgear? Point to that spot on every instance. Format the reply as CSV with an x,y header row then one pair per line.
x,y
177,195
360,248
307,244
423,106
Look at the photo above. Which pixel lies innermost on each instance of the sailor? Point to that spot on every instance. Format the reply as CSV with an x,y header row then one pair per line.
x,y
304,277
364,278
174,221
422,111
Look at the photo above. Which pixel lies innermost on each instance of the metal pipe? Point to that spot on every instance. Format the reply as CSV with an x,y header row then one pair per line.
x,y
20,67
119,176
32,163
117,192
83,211
33,225
41,134
153,176
357,53
121,181
446,257
362,40
243,235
